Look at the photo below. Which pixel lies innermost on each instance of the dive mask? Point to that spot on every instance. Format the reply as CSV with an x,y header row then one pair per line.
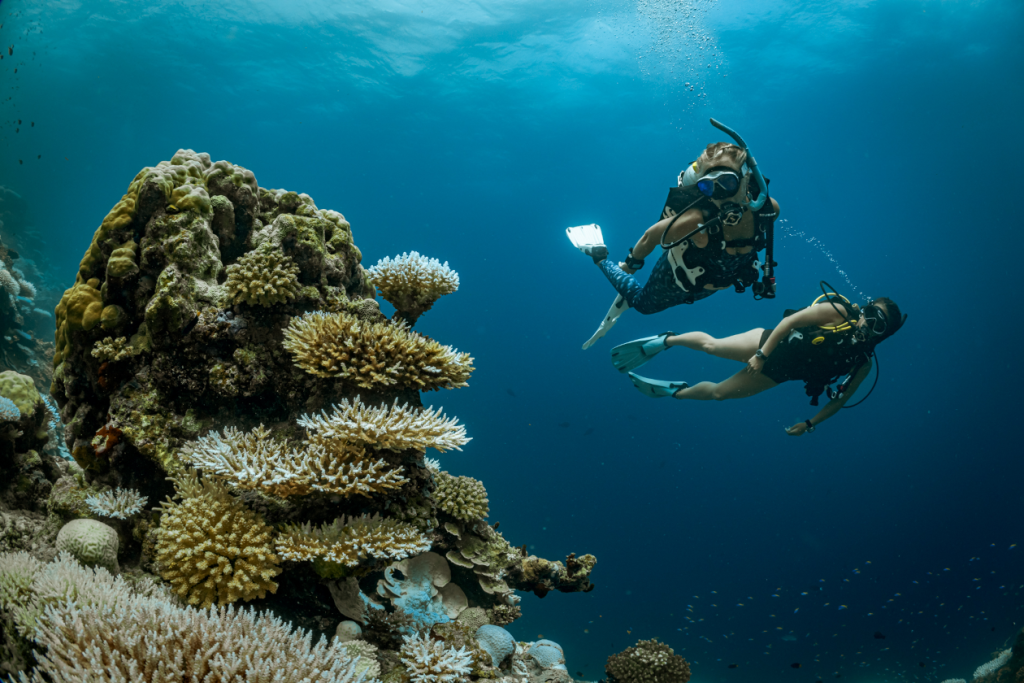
x,y
875,319
719,184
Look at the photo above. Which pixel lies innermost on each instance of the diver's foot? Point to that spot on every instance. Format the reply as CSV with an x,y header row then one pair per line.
x,y
598,252
657,388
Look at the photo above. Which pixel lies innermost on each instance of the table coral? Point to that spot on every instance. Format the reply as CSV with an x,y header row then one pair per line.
x,y
348,542
263,277
369,355
464,498
211,548
412,283
650,661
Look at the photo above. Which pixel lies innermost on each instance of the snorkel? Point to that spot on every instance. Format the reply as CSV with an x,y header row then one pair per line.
x,y
751,163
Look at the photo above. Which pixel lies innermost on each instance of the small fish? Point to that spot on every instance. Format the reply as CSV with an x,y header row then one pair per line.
x,y
922,664
843,607
563,424
10,51
733,666
579,673
879,635
590,430
510,393
796,665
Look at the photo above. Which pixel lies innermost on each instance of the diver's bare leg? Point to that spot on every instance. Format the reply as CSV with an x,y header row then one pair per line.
x,y
741,385
739,347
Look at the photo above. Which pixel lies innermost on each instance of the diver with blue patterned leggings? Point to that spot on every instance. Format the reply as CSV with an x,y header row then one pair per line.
x,y
711,230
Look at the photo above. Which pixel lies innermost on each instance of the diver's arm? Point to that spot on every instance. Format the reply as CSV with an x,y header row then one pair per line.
x,y
821,314
652,236
833,406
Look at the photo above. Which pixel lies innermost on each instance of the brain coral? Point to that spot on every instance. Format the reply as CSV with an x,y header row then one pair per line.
x,y
372,355
464,498
412,283
92,543
649,662
263,277
211,548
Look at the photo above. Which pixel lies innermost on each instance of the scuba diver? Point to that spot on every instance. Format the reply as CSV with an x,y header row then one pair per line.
x,y
711,230
817,345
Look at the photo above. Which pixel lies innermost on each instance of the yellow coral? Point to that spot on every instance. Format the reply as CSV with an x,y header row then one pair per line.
x,y
212,548
254,460
394,428
350,541
412,282
464,498
264,277
339,345
112,350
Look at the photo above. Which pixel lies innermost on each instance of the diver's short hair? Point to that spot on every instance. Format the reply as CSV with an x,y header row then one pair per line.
x,y
721,154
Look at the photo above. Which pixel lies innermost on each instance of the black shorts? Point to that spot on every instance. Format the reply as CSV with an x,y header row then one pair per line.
x,y
783,364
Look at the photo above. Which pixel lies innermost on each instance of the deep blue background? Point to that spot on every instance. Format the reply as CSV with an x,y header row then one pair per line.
x,y
475,132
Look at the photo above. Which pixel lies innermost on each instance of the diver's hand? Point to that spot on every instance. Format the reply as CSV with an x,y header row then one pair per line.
x,y
626,268
799,429
754,365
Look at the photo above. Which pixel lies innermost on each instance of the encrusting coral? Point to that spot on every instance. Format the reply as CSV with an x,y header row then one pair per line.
x,y
118,504
412,283
112,350
650,661
348,542
464,498
433,661
145,635
263,277
211,548
372,355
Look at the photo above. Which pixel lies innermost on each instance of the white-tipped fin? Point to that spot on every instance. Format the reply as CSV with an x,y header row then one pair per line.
x,y
618,306
585,236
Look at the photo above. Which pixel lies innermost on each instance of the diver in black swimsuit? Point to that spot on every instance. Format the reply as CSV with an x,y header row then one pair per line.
x,y
817,345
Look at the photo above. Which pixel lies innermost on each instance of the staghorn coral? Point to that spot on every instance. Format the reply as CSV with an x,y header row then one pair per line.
x,y
464,498
112,350
412,283
119,503
142,634
254,460
263,277
433,661
394,428
369,355
211,548
997,663
349,542
650,661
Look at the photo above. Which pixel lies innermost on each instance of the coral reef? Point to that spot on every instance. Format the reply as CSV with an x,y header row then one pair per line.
x,y
463,498
372,355
92,543
433,661
1005,666
650,661
412,283
263,277
118,504
211,548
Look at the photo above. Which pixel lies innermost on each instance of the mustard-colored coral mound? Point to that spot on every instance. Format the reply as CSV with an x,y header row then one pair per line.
x,y
464,498
255,460
650,661
394,428
263,277
339,345
412,282
212,548
350,541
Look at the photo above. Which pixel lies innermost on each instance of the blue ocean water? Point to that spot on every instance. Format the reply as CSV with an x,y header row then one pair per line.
x,y
477,131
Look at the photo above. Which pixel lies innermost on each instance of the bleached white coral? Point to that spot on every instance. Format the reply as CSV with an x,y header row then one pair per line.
x,y
432,464
393,428
28,290
430,661
349,541
119,503
412,282
8,282
9,412
995,665
954,680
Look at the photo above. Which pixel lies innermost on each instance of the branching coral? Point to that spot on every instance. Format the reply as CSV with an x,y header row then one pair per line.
x,y
350,541
650,661
107,631
368,355
430,661
9,412
264,277
997,663
464,498
254,460
119,503
412,283
111,350
212,548
394,428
